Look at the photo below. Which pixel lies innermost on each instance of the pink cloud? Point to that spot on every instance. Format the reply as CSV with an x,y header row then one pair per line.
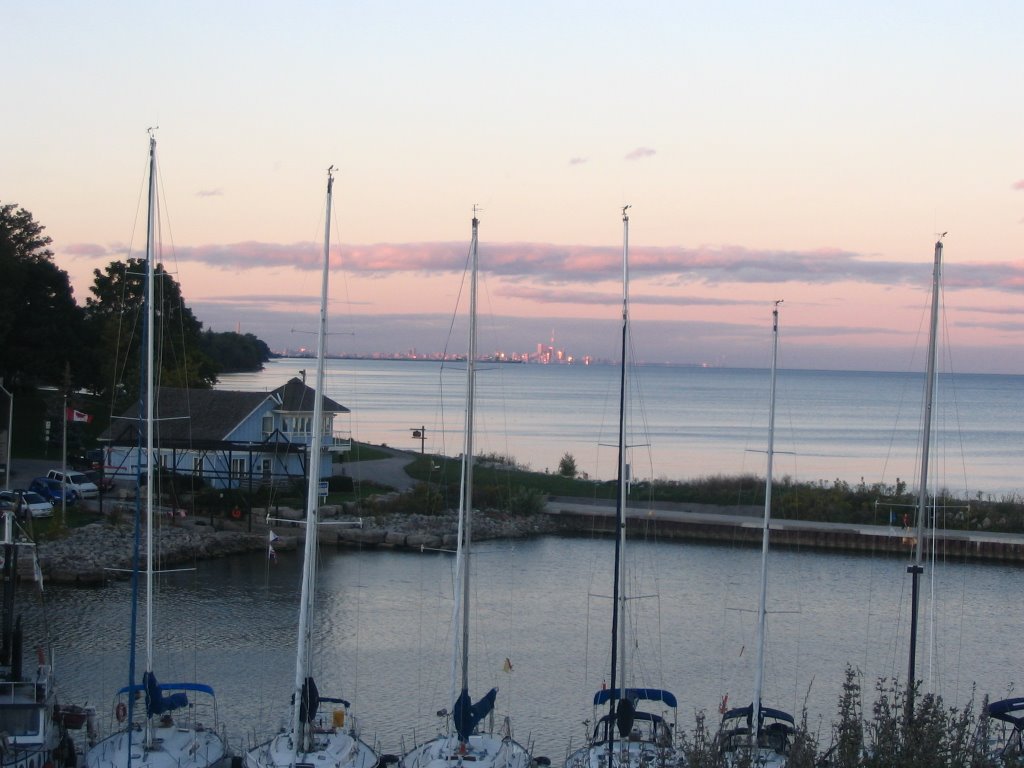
x,y
610,298
558,265
577,160
640,153
87,250
1018,184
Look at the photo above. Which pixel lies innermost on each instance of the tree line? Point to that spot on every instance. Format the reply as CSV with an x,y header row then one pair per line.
x,y
47,338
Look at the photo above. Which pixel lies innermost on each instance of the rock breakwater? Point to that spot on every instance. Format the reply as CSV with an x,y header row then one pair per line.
x,y
95,553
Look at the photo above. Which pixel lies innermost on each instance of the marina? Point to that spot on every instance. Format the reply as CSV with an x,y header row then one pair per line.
x,y
384,631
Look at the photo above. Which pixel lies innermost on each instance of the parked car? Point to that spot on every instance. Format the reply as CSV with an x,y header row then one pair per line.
x,y
76,481
26,502
104,483
91,459
53,490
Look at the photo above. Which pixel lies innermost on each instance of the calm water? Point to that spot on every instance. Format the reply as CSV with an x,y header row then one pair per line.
x,y
383,632
690,422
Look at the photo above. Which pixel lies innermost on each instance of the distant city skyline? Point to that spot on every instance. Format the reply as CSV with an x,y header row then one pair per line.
x,y
543,355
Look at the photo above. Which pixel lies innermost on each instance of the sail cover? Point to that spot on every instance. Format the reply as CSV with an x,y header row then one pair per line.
x,y
156,702
467,715
310,701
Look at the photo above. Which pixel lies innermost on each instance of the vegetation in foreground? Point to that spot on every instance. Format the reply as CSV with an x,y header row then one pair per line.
x,y
936,736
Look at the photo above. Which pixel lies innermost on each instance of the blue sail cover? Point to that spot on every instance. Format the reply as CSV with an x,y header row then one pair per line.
x,y
156,702
635,694
748,712
467,715
309,701
1008,710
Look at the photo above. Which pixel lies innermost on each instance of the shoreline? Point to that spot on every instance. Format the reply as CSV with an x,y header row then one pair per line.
x,y
96,553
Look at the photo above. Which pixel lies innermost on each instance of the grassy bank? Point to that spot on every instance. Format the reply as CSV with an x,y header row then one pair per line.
x,y
826,501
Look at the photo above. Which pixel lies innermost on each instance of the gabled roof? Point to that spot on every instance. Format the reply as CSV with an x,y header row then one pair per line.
x,y
186,416
296,396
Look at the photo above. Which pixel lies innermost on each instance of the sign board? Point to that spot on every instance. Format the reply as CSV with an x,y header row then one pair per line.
x,y
323,487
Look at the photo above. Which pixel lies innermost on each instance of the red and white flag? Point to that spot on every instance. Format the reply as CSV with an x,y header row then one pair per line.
x,y
72,415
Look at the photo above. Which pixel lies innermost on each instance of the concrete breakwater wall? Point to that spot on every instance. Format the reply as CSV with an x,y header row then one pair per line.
x,y
743,526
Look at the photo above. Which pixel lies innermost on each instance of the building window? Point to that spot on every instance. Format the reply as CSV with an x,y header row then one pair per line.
x,y
238,468
268,425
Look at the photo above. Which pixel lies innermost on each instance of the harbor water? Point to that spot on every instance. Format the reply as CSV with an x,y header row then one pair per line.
x,y
384,624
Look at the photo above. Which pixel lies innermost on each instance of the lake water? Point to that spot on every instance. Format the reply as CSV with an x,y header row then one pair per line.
x,y
382,633
689,422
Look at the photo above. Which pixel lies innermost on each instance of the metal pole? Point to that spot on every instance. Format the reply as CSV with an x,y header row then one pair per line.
x,y
916,568
10,431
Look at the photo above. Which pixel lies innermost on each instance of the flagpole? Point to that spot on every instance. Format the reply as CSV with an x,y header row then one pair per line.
x,y
64,466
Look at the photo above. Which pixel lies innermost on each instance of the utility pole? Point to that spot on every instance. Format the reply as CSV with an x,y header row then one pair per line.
x,y
420,433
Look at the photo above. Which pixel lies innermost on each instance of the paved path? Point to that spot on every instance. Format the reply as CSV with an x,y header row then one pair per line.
x,y
390,472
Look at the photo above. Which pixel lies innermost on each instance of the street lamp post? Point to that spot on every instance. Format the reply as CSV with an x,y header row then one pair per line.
x,y
420,433
10,431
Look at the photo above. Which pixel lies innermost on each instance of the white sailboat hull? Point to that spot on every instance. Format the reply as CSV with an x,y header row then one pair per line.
x,y
626,754
480,751
172,747
331,749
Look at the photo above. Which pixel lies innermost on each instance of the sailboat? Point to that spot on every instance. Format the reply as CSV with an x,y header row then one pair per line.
x,y
629,732
34,726
171,729
466,742
315,739
767,743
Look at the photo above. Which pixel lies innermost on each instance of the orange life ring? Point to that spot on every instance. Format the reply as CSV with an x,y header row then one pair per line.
x,y
236,513
121,711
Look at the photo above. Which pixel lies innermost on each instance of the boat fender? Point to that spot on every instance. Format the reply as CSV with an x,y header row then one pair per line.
x,y
121,711
236,513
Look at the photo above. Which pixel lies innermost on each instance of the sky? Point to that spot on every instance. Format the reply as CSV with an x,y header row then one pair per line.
x,y
805,151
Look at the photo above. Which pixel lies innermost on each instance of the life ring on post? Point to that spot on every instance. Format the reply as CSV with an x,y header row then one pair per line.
x,y
236,513
121,711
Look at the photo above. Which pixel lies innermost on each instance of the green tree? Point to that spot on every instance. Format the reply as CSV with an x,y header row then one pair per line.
x,y
116,317
567,465
41,327
234,352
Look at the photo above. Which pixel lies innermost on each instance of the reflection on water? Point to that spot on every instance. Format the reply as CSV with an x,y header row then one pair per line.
x,y
384,627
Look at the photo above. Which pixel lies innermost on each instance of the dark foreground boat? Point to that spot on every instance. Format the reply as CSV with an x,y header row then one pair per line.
x,y
34,733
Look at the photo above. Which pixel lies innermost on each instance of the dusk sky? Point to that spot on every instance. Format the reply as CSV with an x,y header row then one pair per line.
x,y
803,151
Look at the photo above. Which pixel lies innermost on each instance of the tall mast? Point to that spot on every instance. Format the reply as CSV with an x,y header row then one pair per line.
x,y
916,569
301,734
618,662
467,463
150,387
765,536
